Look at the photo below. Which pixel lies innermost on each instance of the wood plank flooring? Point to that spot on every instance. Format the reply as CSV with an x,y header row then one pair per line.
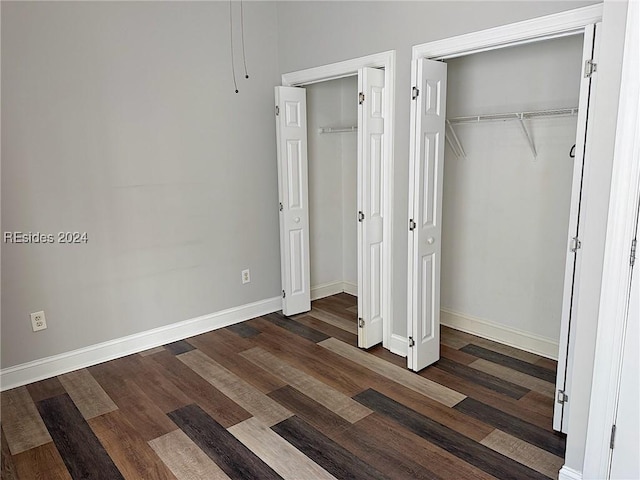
x,y
291,398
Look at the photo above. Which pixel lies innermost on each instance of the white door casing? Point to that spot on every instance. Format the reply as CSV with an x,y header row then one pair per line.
x,y
562,402
425,212
291,141
370,205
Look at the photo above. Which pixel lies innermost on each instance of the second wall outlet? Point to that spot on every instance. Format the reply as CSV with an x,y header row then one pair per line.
x,y
38,321
246,276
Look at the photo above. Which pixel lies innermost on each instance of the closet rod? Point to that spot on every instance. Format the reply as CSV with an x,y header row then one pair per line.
x,y
562,112
337,129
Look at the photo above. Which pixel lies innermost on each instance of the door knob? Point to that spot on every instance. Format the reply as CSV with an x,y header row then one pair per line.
x,y
430,240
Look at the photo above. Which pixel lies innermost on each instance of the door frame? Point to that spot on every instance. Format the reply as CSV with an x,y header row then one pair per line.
x,y
572,22
347,68
616,273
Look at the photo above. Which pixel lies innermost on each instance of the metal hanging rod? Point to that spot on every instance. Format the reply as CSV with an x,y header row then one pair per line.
x,y
563,112
456,146
337,129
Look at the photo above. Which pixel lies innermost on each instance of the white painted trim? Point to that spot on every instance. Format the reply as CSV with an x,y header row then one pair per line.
x,y
567,473
398,345
350,288
102,352
616,274
563,23
530,342
346,68
333,288
326,290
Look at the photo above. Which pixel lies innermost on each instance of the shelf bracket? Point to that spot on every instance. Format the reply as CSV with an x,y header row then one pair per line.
x,y
459,151
526,134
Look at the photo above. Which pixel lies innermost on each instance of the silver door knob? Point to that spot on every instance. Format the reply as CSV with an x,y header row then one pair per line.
x,y
430,240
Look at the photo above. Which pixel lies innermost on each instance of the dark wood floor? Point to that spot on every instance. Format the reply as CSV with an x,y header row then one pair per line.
x,y
289,398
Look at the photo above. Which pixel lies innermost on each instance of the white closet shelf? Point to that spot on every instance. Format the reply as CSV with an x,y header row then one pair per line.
x,y
497,117
338,129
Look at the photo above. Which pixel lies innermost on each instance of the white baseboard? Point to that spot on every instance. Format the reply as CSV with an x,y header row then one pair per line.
x,y
66,362
567,473
350,288
333,288
398,345
529,342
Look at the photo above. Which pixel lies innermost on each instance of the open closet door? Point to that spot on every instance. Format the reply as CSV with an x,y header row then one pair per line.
x,y
425,212
370,235
573,258
293,186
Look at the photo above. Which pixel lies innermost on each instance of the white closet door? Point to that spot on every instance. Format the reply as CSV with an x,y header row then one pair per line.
x,y
293,192
574,257
370,235
425,210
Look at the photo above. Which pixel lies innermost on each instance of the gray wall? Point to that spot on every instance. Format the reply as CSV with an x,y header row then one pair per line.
x,y
119,119
506,213
363,28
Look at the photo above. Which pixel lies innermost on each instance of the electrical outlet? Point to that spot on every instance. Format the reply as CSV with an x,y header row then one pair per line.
x,y
38,321
246,276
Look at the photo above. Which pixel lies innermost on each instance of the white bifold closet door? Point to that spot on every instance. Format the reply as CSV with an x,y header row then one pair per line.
x,y
425,213
293,192
370,198
573,259
293,187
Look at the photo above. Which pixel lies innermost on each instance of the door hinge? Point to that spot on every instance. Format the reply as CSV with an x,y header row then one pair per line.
x,y
361,322
632,260
412,225
283,294
562,397
576,244
612,439
360,216
589,68
277,110
280,206
360,98
414,93
411,342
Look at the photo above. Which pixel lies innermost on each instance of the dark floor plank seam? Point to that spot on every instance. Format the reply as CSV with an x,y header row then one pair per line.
x,y
513,363
80,449
235,459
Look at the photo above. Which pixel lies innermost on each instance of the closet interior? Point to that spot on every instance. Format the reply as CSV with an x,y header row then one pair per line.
x,y
508,172
332,118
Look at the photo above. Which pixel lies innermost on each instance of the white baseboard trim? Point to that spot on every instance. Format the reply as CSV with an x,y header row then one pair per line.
x,y
350,288
333,288
326,290
530,342
567,473
19,375
398,345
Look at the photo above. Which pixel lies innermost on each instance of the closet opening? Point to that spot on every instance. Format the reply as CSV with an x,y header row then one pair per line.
x,y
334,127
498,180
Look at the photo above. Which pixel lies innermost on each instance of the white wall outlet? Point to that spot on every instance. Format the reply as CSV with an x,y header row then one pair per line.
x,y
246,276
38,321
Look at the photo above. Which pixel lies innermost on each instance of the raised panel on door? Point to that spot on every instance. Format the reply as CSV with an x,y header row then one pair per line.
x,y
370,206
291,140
425,234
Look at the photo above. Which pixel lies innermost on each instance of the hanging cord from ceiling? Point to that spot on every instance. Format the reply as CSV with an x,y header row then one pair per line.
x,y
233,68
244,57
572,152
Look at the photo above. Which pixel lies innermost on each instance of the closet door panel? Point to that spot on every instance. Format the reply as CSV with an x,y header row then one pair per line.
x,y
425,197
293,188
370,233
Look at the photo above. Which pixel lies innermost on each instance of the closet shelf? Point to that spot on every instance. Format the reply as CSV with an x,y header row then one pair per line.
x,y
337,129
494,117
